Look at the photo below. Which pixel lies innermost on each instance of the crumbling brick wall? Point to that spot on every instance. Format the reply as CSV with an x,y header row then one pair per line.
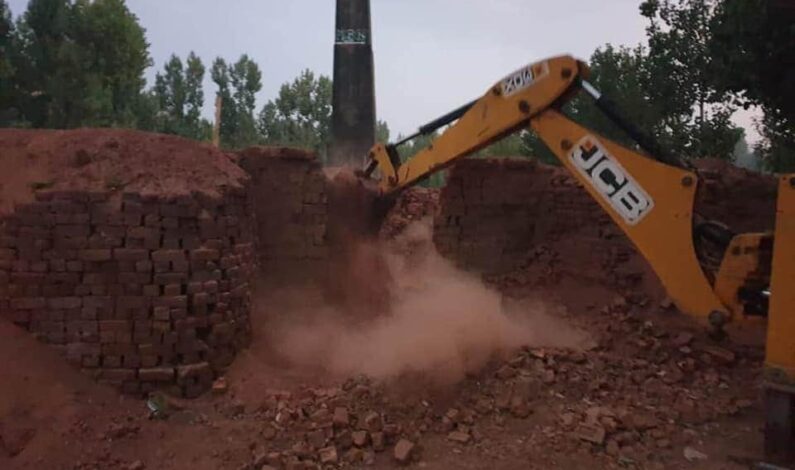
x,y
527,222
290,205
498,216
140,291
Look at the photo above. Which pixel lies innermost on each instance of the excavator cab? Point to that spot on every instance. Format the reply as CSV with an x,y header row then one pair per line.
x,y
710,272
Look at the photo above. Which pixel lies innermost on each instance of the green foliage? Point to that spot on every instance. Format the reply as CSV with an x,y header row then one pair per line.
x,y
238,86
679,74
79,64
777,148
300,116
7,82
179,95
753,43
381,132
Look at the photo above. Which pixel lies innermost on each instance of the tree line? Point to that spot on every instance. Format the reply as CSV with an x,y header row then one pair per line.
x,y
703,61
81,63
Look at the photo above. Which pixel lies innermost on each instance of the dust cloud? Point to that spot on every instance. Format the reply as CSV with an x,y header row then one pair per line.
x,y
440,322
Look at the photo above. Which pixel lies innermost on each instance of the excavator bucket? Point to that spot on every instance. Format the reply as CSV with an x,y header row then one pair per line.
x,y
780,357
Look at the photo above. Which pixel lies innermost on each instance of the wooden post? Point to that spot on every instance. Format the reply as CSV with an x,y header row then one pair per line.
x,y
219,103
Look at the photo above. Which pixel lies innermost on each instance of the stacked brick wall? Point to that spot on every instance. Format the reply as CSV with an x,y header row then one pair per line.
x,y
497,216
143,292
290,206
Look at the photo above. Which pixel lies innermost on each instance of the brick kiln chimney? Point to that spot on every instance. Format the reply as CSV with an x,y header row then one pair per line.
x,y
353,116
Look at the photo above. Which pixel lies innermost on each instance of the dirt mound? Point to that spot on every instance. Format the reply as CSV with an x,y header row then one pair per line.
x,y
108,160
742,199
40,398
412,205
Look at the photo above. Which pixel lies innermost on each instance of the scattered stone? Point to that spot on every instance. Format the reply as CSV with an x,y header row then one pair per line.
x,y
642,421
692,455
120,430
612,449
341,418
268,433
377,438
592,433
316,438
666,303
328,455
233,409
137,465
683,339
344,440
360,438
503,400
460,437
403,451
520,408
354,455
722,355
373,422
505,372
220,386
391,430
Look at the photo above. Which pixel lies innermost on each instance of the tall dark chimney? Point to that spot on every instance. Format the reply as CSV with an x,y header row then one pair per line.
x,y
353,116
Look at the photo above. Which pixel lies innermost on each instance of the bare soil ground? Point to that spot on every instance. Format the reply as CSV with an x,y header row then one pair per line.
x,y
562,374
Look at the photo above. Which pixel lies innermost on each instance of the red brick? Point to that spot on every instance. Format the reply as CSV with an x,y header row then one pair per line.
x,y
28,303
170,278
180,266
65,303
96,255
134,278
151,291
72,231
126,254
172,290
143,266
117,375
205,254
111,362
160,374
114,326
161,313
168,255
173,301
132,302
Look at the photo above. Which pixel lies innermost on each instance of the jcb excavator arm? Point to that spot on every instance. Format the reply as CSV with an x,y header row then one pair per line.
x,y
650,200
650,197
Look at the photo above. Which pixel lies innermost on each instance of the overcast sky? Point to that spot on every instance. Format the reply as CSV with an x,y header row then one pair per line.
x,y
431,56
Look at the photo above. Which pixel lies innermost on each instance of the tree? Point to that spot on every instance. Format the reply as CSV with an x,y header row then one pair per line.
x,y
180,98
680,79
777,148
41,34
7,81
238,86
753,43
300,115
81,63
381,132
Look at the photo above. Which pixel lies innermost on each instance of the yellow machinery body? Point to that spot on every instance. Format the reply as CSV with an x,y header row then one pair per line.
x,y
652,201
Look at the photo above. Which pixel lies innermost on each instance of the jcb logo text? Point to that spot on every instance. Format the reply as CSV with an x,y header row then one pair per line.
x,y
611,180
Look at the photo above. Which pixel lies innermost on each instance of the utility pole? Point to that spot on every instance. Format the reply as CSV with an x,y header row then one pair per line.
x,y
353,115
